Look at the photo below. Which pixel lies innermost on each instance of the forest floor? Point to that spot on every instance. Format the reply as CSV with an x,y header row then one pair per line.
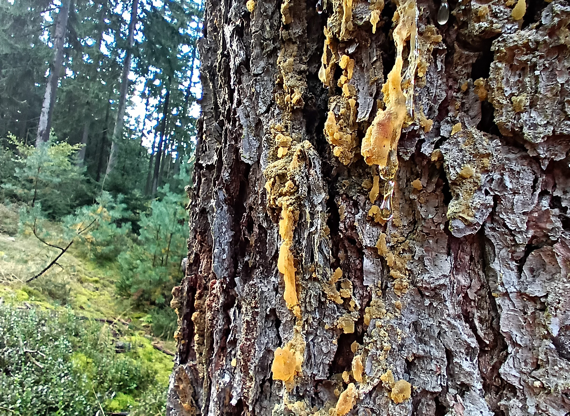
x,y
79,285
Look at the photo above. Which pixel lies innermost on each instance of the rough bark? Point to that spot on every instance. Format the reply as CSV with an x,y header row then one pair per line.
x,y
44,124
463,293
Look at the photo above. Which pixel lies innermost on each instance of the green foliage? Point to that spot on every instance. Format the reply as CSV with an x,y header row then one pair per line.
x,y
151,265
55,363
101,230
8,220
163,322
24,61
48,176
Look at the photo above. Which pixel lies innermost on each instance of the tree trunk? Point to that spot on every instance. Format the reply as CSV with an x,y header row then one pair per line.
x,y
44,124
103,142
84,140
119,123
396,243
159,151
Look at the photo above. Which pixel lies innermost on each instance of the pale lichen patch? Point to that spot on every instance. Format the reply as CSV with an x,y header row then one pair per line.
x,y
519,102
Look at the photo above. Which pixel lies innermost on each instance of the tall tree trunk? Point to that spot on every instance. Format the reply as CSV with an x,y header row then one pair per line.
x,y
44,124
119,123
94,76
381,229
103,142
159,151
148,187
84,140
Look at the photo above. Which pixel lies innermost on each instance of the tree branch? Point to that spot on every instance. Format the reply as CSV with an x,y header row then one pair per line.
x,y
54,261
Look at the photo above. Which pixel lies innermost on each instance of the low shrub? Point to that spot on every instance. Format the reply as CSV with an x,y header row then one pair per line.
x,y
56,363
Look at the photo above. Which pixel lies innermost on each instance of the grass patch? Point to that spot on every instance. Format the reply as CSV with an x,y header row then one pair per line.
x,y
60,314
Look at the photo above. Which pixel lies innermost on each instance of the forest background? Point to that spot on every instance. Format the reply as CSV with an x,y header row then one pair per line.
x,y
97,132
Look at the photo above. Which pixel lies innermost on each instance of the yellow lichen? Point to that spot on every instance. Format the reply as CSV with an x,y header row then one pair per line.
x,y
384,133
286,262
346,323
376,310
519,10
456,128
467,172
250,5
288,361
234,362
481,89
374,19
357,368
417,184
382,246
375,189
336,275
376,214
346,25
388,379
347,400
340,134
346,291
401,391
425,123
285,12
326,72
519,103
284,364
330,288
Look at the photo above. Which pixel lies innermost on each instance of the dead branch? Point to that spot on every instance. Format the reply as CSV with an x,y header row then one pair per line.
x,y
162,349
54,261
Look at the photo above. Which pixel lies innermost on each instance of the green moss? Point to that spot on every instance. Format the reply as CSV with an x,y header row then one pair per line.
x,y
120,402
21,295
34,294
82,364
87,279
159,363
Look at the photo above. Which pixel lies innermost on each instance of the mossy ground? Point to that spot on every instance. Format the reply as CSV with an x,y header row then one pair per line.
x,y
87,288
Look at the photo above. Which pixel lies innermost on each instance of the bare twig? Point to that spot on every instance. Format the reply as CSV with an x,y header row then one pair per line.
x,y
86,228
34,230
35,352
98,402
32,359
63,249
54,261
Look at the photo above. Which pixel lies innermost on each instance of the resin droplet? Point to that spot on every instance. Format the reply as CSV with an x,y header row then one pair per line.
x,y
386,207
388,172
319,6
443,13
